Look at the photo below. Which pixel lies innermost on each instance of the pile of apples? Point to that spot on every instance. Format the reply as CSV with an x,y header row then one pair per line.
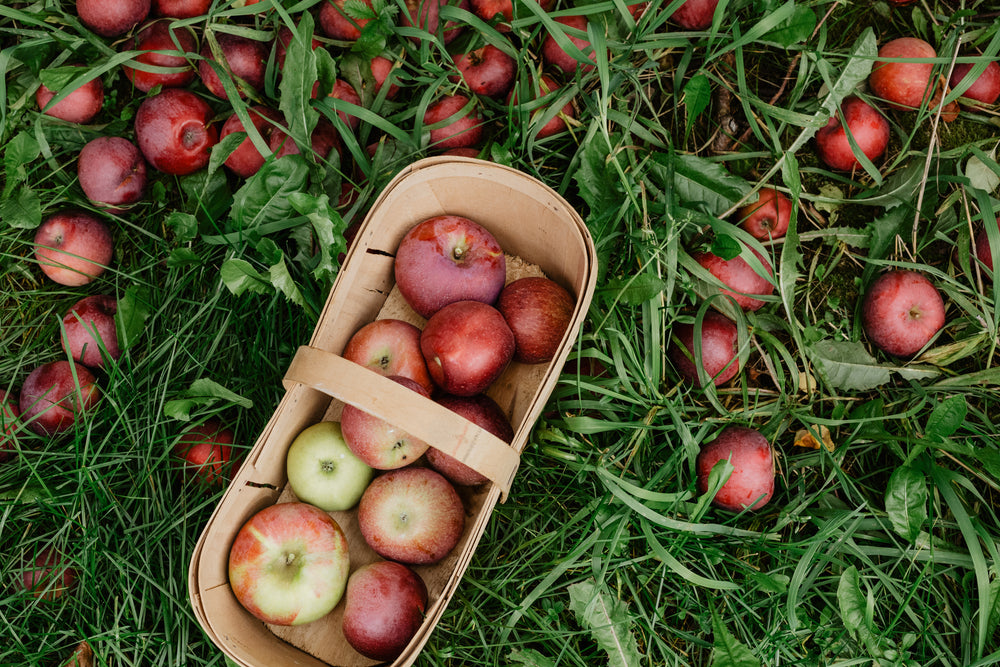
x,y
290,563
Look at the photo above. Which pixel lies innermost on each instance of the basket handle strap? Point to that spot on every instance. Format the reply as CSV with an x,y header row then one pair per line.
x,y
420,416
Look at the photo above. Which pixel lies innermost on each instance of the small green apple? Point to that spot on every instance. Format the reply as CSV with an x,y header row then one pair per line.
x,y
324,471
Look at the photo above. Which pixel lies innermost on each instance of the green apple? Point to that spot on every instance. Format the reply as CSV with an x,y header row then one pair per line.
x,y
323,470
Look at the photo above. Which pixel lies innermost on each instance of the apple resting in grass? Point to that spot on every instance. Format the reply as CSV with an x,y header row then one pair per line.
x,y
390,347
89,326
207,451
337,24
112,172
901,312
181,9
742,281
466,345
546,93
719,349
486,71
488,9
345,91
554,54
982,250
768,217
322,469
383,609
9,414
55,394
538,312
449,258
985,90
246,59
482,411
453,128
868,127
111,18
377,442
289,564
381,69
80,106
73,248
905,85
751,483
426,15
174,133
49,576
324,140
695,14
246,160
411,515
158,36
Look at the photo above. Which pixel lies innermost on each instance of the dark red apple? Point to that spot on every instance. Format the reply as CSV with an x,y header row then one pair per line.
x,y
719,349
337,24
898,80
982,250
449,258
49,576
486,71
111,18
751,482
345,91
463,152
80,106
454,122
378,443
466,345
73,248
158,36
55,394
411,515
173,131
390,347
381,68
901,312
868,127
485,413
206,451
426,15
88,326
985,90
538,311
9,418
112,172
743,282
324,140
488,9
246,160
384,607
245,58
547,92
555,55
181,9
768,217
695,14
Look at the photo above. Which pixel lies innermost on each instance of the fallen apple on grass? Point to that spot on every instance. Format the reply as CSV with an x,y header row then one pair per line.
x,y
245,61
323,471
174,132
289,564
485,413
378,443
73,248
538,311
982,251
49,575
390,347
206,451
901,312
466,345
89,330
555,55
768,217
110,18
903,73
486,71
719,349
741,280
112,172
80,106
544,95
751,483
55,394
454,122
868,127
181,9
984,90
157,39
246,160
337,23
426,15
383,609
695,14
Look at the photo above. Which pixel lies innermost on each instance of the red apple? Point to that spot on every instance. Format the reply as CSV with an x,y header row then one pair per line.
x,y
289,564
768,217
546,93
80,106
337,24
464,152
538,311
158,36
751,482
9,416
378,443
488,9
743,282
345,91
173,131
381,68
451,127
50,575
486,71
181,9
985,89
485,413
467,345
245,58
868,127
207,451
695,14
554,54
384,608
983,252
88,327
390,347
901,312
112,172
73,248
246,160
426,15
111,18
411,515
55,394
324,139
449,258
719,349
905,85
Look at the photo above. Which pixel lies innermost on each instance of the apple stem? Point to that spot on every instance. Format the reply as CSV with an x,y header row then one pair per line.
x,y
290,558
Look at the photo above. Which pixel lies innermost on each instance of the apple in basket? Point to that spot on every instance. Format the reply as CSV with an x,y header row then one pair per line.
x,y
323,470
378,443
384,608
289,564
390,347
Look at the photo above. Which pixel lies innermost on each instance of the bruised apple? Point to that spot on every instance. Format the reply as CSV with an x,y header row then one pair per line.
x,y
466,345
384,607
719,349
751,482
901,312
390,347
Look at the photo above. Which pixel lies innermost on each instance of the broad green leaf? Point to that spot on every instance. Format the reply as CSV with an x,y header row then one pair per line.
x,y
848,366
900,188
529,657
983,171
298,77
207,193
727,651
798,28
264,196
22,210
697,97
283,282
222,150
906,501
19,151
239,276
57,78
608,620
947,417
853,606
699,179
635,289
185,225
328,226
595,180
182,257
202,392
726,247
134,308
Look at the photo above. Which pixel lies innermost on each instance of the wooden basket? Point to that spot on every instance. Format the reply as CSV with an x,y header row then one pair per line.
x,y
542,235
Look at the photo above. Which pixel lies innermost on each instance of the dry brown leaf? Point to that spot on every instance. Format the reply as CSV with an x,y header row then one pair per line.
x,y
803,438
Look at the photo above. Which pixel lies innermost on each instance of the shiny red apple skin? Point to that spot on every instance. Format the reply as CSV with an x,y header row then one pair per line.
x,y
485,413
89,324
112,172
868,126
384,607
539,311
426,15
466,345
487,71
390,347
158,36
985,89
768,217
50,576
719,349
695,14
206,451
463,131
247,60
110,18
905,85
488,9
10,414
380,444
751,483
381,68
411,515
345,91
174,133
336,24
743,282
901,312
73,247
181,9
246,160
449,258
982,251
50,399
554,55
80,106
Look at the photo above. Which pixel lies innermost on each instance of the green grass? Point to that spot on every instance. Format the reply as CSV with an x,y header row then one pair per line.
x,y
883,550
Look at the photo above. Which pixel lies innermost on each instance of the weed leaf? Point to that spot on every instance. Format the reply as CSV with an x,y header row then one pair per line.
x,y
798,28
635,289
906,501
134,308
698,179
608,621
529,657
264,196
23,210
848,366
18,152
202,392
297,79
697,97
727,651
854,607
947,417
329,228
185,225
239,276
